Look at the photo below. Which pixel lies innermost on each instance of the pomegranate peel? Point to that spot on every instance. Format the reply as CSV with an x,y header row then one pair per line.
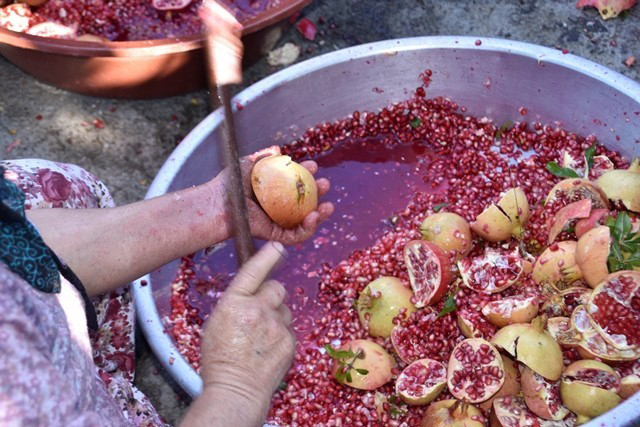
x,y
421,382
494,271
542,396
564,302
509,310
362,364
512,411
594,219
285,190
629,386
504,219
574,189
429,271
475,371
557,265
511,386
589,388
607,8
380,302
592,253
449,231
572,211
452,413
623,185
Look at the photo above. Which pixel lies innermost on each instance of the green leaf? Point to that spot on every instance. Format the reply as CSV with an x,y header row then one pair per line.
x,y
449,305
415,123
506,125
338,354
588,155
614,265
437,208
361,371
610,221
349,377
282,386
557,170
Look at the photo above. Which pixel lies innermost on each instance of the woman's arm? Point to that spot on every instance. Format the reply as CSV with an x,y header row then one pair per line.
x,y
108,248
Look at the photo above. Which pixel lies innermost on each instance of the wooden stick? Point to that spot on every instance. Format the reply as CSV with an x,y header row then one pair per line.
x,y
224,57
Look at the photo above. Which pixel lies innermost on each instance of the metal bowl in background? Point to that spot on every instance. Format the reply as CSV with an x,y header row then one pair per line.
x,y
493,79
137,69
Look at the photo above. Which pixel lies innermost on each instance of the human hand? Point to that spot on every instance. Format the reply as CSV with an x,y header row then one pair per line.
x,y
247,346
261,225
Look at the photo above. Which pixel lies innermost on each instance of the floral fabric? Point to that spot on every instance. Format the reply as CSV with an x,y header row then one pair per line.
x,y
56,185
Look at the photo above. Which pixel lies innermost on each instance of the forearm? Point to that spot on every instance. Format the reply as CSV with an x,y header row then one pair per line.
x,y
216,407
107,248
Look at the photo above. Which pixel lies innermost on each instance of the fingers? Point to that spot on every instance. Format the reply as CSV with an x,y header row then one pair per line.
x,y
255,271
272,292
287,317
323,185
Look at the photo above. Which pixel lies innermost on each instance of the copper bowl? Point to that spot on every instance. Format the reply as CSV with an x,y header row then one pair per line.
x,y
136,69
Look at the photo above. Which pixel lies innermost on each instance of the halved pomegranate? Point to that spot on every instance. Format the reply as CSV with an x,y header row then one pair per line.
x,y
421,382
16,17
511,386
542,396
582,335
475,371
492,272
425,335
504,219
570,212
429,271
589,388
452,413
614,308
511,411
629,386
623,185
557,265
513,309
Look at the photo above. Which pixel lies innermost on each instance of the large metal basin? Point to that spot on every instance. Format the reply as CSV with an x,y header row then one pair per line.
x,y
494,78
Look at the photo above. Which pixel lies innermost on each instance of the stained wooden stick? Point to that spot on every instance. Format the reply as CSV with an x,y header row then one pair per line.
x,y
224,69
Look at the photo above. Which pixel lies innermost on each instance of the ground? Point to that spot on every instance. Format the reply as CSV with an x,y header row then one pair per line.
x,y
37,120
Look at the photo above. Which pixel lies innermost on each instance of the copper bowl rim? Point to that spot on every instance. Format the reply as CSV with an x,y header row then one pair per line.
x,y
143,47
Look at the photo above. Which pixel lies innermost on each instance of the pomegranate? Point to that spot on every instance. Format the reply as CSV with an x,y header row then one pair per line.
x,y
475,371
449,231
421,382
592,252
429,271
511,411
614,308
629,386
567,214
623,185
511,386
557,265
564,302
380,302
425,335
492,272
574,189
285,190
601,165
505,219
532,345
590,344
513,309
556,326
16,17
452,413
364,365
170,4
595,219
542,396
589,388
52,29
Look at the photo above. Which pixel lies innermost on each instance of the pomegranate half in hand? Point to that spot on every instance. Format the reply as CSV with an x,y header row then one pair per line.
x,y
285,190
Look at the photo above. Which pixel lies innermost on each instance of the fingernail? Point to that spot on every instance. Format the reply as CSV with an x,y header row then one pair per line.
x,y
280,248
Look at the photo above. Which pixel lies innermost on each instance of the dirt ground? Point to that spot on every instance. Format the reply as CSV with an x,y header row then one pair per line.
x,y
37,120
